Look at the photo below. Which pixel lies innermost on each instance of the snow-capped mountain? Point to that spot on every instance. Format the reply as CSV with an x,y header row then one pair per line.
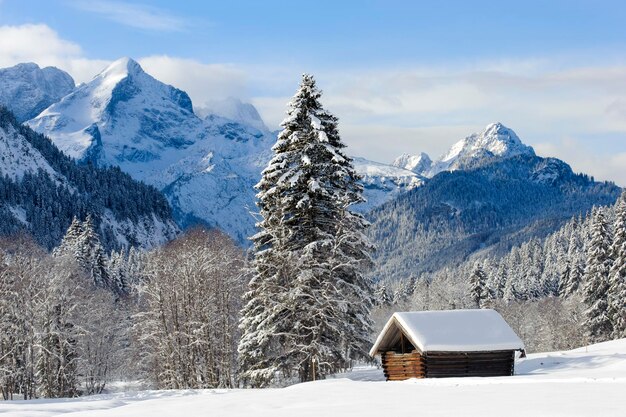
x,y
420,164
206,167
43,190
206,162
496,142
121,116
382,182
26,89
233,109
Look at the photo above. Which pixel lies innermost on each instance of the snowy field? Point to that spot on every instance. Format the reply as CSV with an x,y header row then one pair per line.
x,y
583,382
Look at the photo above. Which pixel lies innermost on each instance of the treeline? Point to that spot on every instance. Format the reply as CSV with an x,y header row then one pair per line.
x,y
564,291
72,320
47,205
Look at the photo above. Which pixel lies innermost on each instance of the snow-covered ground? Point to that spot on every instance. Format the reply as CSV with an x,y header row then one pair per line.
x,y
583,382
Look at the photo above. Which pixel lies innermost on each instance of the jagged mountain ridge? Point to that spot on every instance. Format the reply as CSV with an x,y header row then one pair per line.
x,y
207,167
495,142
122,115
42,189
27,89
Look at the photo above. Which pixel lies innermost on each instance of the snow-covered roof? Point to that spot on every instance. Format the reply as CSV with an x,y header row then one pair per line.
x,y
449,331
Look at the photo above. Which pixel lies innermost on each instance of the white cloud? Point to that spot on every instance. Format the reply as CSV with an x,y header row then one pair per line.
x,y
23,43
42,45
134,15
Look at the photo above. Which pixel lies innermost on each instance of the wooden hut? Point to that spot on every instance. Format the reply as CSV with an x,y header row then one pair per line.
x,y
452,343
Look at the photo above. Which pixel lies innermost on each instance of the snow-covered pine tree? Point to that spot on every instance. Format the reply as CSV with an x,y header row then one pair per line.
x,y
553,259
573,269
82,242
117,271
595,282
70,242
617,275
381,295
478,286
91,255
497,282
307,308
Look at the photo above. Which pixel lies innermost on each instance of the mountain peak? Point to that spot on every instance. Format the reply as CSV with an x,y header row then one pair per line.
x,y
496,126
27,66
419,163
122,67
122,114
26,89
497,132
495,141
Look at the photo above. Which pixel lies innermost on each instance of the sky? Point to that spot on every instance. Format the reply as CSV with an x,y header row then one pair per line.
x,y
402,76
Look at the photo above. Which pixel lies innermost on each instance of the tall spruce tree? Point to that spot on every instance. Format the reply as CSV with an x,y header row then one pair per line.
x,y
307,308
617,275
596,283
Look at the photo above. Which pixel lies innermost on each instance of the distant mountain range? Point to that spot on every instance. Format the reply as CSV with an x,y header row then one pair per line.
x,y
496,142
206,160
487,192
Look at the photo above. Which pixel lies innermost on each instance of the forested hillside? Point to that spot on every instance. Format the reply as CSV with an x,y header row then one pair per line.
x,y
42,189
487,209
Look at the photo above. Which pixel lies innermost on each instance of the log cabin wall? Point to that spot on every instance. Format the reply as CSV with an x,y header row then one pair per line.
x,y
401,366
457,364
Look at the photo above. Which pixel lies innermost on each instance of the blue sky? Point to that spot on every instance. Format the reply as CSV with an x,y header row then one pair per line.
x,y
401,76
329,33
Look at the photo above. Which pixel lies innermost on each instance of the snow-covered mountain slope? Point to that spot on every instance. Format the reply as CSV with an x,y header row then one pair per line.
x,y
420,163
235,110
18,156
26,89
584,382
43,189
496,142
382,182
206,167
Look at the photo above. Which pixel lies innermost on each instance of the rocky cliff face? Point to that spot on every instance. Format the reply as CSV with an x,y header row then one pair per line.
x,y
26,89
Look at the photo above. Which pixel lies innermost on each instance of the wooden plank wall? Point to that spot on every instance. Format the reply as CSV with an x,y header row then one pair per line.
x,y
398,366
401,366
455,364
